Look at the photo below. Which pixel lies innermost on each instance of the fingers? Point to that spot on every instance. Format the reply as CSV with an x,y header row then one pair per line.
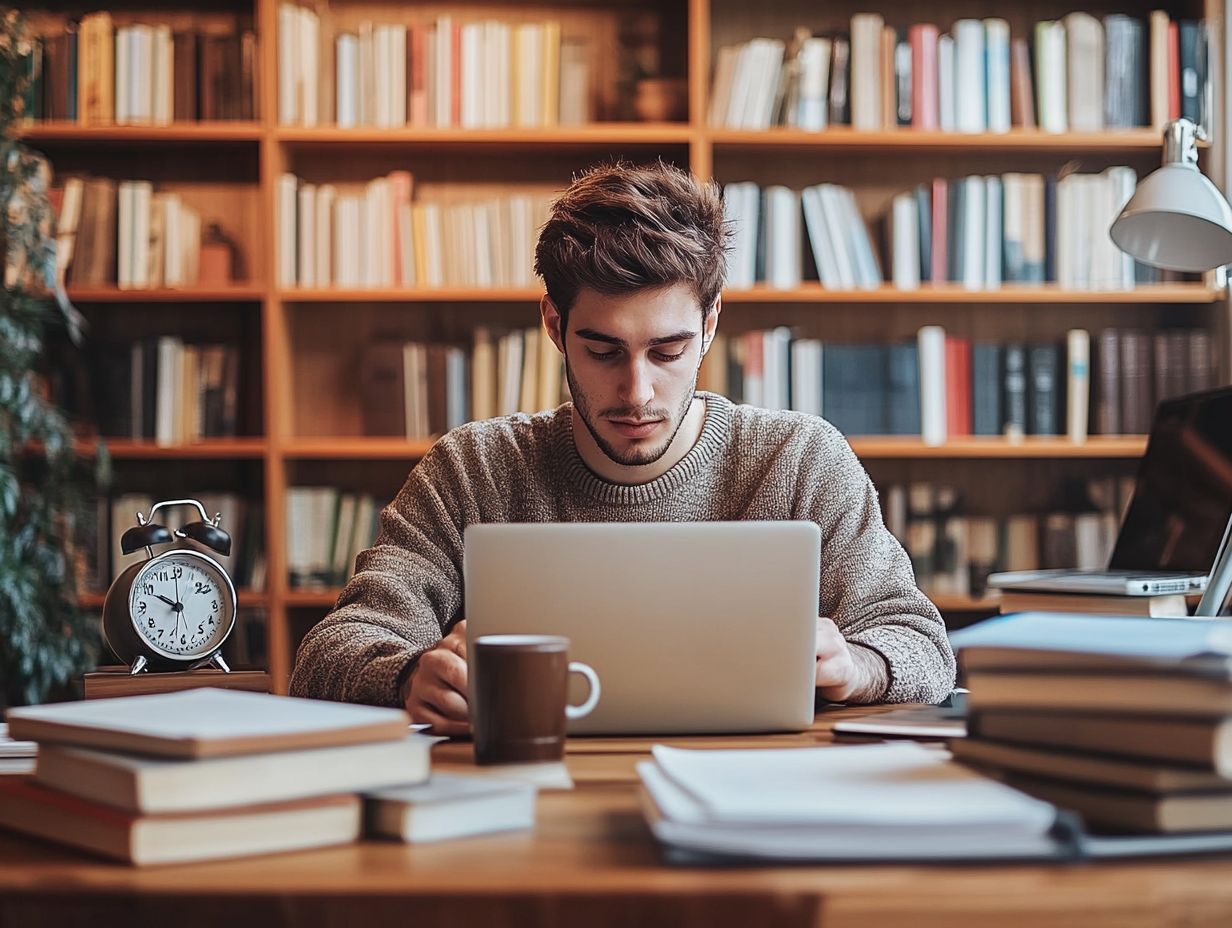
x,y
438,692
455,641
830,641
423,714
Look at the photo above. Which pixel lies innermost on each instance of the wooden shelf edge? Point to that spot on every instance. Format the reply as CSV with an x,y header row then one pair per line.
x,y
128,449
1032,446
236,294
961,602
414,295
592,134
311,599
218,131
1146,139
352,448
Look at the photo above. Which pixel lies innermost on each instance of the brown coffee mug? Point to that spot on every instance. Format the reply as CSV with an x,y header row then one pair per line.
x,y
518,697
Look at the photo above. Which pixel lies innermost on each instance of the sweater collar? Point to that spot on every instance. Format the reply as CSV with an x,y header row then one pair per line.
x,y
705,450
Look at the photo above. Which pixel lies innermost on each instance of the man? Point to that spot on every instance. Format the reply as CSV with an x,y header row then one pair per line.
x,y
632,260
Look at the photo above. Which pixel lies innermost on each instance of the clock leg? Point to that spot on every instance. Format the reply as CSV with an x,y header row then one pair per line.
x,y
138,665
220,663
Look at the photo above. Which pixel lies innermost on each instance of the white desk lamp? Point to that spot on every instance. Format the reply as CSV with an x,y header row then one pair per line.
x,y
1178,220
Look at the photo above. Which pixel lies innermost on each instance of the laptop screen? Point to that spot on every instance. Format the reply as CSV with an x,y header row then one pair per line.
x,y
1183,495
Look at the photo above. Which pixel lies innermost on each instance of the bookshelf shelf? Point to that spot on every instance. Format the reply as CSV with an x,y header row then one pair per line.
x,y
231,294
594,134
246,599
301,347
359,449
954,293
214,448
912,140
1032,446
196,132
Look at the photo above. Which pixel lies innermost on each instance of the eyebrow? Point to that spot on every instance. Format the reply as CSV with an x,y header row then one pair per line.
x,y
593,336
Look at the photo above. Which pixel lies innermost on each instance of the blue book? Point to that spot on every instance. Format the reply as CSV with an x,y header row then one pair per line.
x,y
986,389
903,389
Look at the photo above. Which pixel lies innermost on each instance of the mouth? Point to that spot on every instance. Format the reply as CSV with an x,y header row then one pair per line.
x,y
635,428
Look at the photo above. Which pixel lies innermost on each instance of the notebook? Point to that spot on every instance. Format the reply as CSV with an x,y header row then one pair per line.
x,y
1171,534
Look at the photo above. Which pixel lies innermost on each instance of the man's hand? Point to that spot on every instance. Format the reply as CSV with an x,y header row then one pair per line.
x,y
435,692
845,672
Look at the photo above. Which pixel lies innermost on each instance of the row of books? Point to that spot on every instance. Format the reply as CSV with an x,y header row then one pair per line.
x,y
483,74
326,529
131,235
945,385
289,774
977,231
1123,720
377,235
419,389
142,74
162,390
953,550
1083,74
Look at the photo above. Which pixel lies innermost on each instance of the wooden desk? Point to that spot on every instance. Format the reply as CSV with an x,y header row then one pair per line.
x,y
591,862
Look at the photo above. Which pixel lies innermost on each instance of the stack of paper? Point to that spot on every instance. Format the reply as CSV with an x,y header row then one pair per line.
x,y
863,802
15,756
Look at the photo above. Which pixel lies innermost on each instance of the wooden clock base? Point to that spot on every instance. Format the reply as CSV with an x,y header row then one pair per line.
x,y
117,681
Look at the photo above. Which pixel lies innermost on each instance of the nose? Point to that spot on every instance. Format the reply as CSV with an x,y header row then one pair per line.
x,y
637,389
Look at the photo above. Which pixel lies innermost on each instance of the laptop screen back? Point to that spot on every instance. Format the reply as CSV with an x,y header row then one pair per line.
x,y
1183,495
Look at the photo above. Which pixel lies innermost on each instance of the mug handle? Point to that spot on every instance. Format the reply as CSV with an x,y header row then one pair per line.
x,y
577,712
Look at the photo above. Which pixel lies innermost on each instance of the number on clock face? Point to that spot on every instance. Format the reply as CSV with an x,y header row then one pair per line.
x,y
182,605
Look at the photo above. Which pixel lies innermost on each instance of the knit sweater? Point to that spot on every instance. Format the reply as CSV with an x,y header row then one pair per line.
x,y
748,463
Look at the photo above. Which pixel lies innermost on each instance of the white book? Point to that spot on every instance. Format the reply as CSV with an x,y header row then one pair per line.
x,y
722,85
1158,69
365,89
346,242
860,245
974,204
143,195
164,79
288,64
472,73
306,214
443,59
1124,181
397,76
347,81
806,376
1051,76
783,241
449,806
742,86
997,74
173,243
310,41
323,259
167,397
502,71
484,368
456,387
931,343
509,373
206,722
905,228
971,108
435,260
993,226
382,73
864,87
812,110
288,238
834,213
820,239
741,211
124,235
1084,57
528,66
141,75
769,65
945,84
1078,384
406,242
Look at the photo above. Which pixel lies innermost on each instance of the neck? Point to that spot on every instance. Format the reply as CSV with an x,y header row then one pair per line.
x,y
630,475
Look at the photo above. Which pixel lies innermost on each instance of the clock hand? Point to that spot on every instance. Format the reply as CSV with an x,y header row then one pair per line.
x,y
169,602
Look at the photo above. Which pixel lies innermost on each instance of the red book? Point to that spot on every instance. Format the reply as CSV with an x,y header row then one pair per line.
x,y
924,101
1174,71
957,386
941,208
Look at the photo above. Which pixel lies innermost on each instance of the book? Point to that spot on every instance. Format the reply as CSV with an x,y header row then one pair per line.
x,y
1205,743
206,723
15,756
138,783
1140,776
179,838
1170,605
861,802
920,722
448,806
1087,691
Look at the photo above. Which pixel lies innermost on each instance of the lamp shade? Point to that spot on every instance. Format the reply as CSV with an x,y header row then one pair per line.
x,y
1176,219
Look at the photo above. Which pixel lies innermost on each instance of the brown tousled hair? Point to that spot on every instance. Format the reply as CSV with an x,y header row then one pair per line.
x,y
620,228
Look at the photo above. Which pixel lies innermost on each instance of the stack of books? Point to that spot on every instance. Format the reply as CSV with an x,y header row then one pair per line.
x,y
1126,721
205,773
15,756
1167,605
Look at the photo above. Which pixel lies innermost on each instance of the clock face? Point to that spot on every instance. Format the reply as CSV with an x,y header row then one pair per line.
x,y
182,604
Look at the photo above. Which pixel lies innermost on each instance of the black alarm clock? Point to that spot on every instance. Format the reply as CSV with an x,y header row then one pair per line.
x,y
173,610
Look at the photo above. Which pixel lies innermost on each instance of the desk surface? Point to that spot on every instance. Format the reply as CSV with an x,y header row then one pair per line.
x,y
591,861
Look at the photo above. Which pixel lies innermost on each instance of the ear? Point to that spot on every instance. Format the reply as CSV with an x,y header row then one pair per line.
x,y
711,326
552,322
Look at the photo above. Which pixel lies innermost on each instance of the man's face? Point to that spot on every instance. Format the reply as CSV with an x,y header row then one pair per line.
x,y
631,362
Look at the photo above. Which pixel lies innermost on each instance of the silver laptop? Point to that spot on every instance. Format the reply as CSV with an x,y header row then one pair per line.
x,y
1181,505
692,627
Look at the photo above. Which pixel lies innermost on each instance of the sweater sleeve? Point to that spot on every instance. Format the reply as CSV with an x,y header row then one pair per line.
x,y
867,585
406,592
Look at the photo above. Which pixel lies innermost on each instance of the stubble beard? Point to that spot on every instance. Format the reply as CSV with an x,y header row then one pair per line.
x,y
634,457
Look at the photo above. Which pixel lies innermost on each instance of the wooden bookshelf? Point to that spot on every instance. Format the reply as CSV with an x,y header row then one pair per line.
x,y
300,343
